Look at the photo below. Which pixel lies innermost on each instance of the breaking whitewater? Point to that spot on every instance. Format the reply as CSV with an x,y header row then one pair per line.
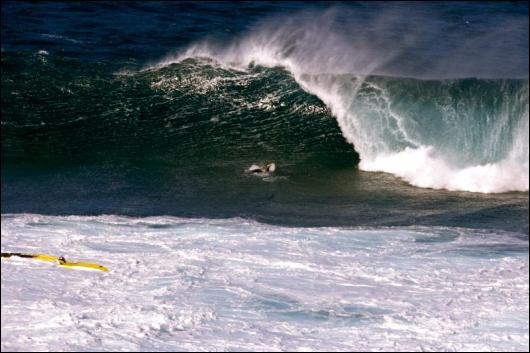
x,y
229,285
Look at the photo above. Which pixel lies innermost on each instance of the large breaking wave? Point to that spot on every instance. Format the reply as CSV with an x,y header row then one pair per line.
x,y
436,130
436,121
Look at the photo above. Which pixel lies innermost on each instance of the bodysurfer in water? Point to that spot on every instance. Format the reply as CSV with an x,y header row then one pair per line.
x,y
267,169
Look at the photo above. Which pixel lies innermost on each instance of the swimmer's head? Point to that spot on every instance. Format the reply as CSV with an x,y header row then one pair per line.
x,y
271,167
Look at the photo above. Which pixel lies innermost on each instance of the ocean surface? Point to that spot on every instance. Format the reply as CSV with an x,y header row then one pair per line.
x,y
397,217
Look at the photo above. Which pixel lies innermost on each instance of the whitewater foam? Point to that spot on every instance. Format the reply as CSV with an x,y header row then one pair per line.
x,y
234,284
420,167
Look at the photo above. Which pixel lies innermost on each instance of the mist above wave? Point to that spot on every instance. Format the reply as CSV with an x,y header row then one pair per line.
x,y
422,41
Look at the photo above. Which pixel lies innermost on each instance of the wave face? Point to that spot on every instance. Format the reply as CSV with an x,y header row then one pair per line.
x,y
467,134
196,110
449,133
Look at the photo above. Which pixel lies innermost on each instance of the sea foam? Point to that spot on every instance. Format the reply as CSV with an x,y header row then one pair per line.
x,y
233,284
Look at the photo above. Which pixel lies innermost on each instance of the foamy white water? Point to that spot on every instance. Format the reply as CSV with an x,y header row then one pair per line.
x,y
202,284
421,167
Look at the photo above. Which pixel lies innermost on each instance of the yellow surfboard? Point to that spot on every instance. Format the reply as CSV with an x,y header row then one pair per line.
x,y
87,266
43,257
61,261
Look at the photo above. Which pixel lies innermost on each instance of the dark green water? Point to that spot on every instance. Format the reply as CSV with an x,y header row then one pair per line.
x,y
86,138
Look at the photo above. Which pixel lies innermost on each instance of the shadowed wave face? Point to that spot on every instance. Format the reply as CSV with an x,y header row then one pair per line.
x,y
165,117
